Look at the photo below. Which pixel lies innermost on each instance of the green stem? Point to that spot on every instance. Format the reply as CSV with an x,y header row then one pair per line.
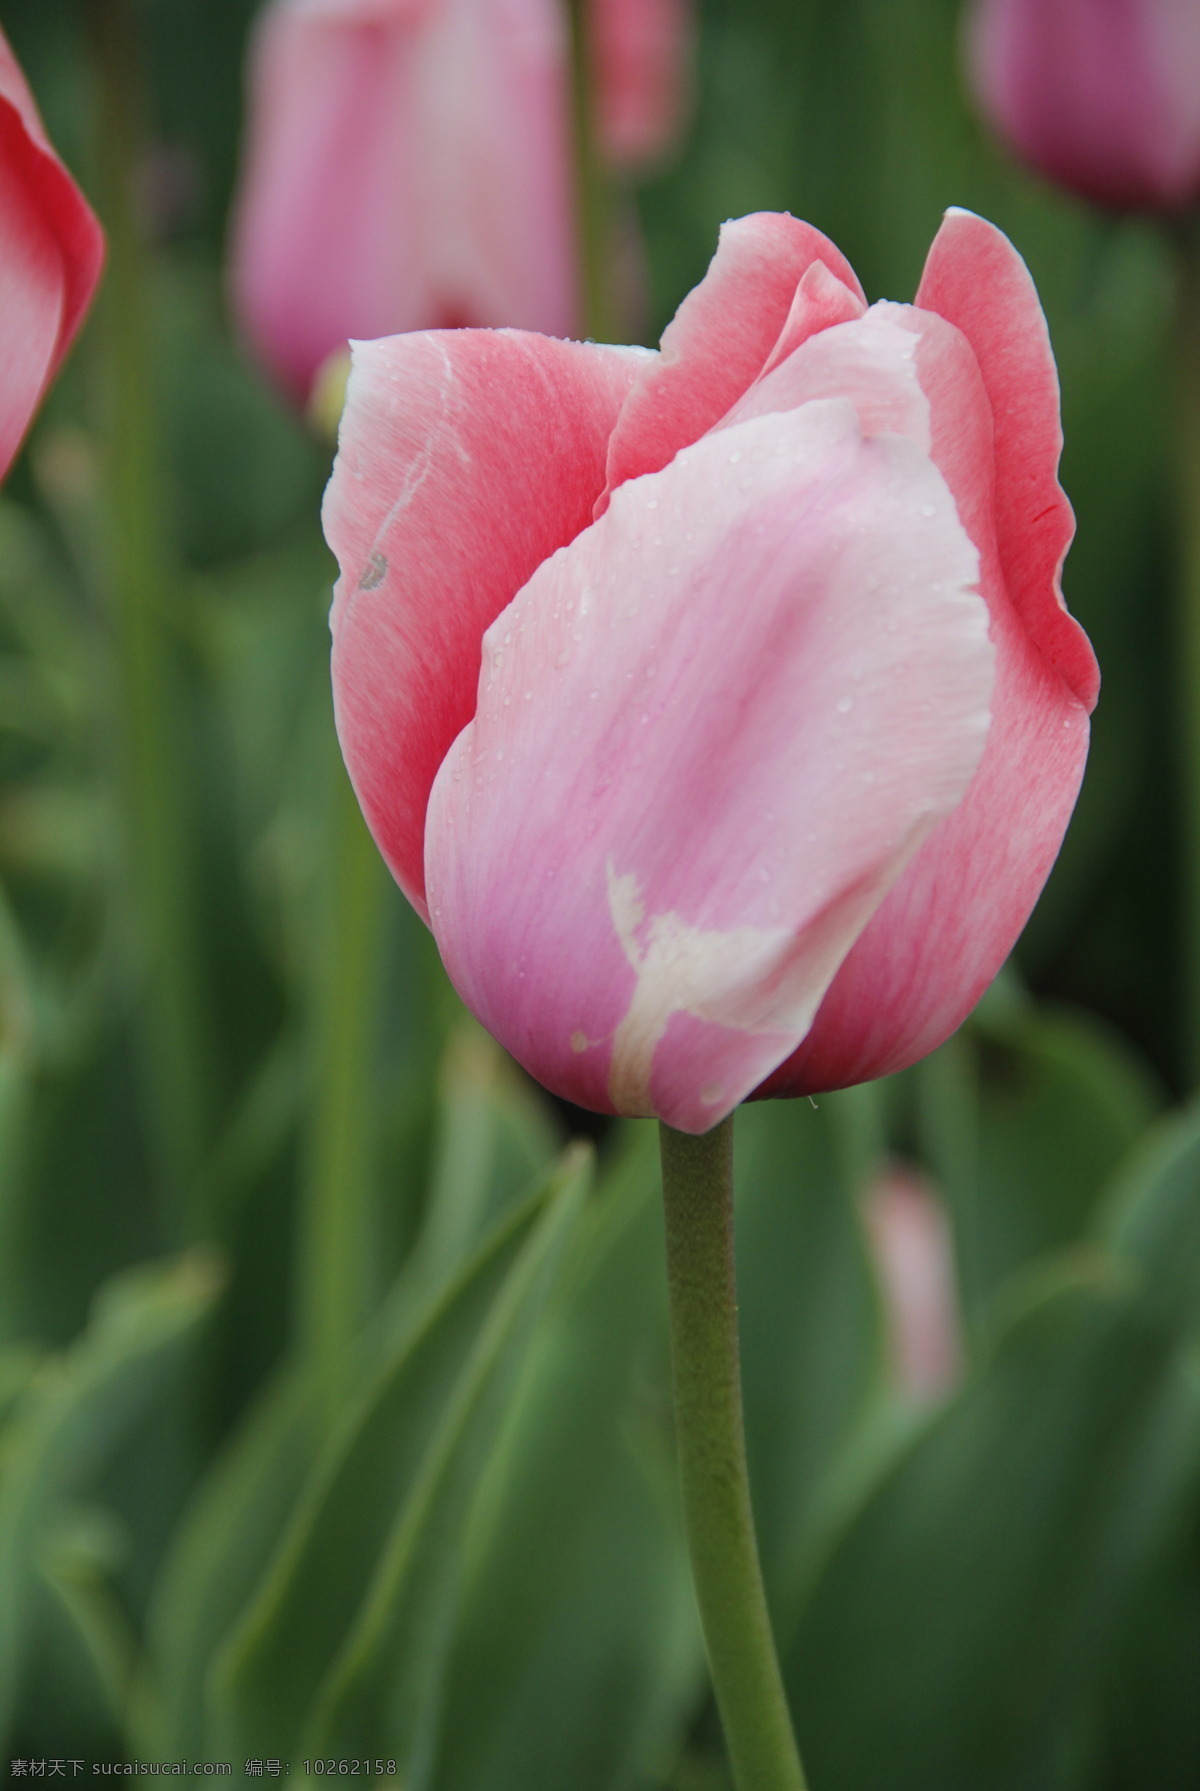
x,y
336,1227
698,1198
1188,509
159,860
594,197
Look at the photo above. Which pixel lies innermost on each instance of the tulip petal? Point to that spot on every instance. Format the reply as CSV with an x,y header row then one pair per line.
x,y
955,912
709,736
720,339
872,361
466,457
52,254
976,280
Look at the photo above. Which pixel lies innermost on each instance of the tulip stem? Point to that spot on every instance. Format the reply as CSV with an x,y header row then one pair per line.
x,y
159,860
698,1200
335,1243
593,190
1188,430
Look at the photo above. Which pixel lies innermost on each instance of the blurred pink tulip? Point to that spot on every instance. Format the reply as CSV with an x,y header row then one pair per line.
x,y
914,1264
52,254
641,62
1102,96
407,166
754,789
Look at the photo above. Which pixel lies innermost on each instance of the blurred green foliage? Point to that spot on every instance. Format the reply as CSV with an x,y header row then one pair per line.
x,y
383,1461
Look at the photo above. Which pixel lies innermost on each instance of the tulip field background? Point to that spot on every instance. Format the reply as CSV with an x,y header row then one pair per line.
x,y
334,1396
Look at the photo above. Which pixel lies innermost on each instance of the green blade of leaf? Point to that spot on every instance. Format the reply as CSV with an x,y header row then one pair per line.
x,y
76,1409
578,1656
381,1691
267,1673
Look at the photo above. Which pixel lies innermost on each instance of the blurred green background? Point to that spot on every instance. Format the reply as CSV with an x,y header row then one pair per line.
x,y
334,1397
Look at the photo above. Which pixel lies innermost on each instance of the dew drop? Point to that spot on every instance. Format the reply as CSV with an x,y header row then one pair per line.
x,y
844,705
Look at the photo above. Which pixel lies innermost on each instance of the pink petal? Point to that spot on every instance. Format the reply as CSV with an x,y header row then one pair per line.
x,y
407,166
1104,98
819,302
465,459
872,361
976,280
709,736
955,913
720,339
52,255
640,65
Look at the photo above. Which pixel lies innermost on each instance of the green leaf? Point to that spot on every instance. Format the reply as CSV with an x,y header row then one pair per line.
x,y
348,1615
974,1600
82,1645
494,1136
808,1312
74,1411
1023,1115
217,1559
578,1657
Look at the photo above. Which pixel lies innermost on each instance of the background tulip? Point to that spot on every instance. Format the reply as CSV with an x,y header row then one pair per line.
x,y
52,253
1100,95
913,1257
641,66
734,798
407,164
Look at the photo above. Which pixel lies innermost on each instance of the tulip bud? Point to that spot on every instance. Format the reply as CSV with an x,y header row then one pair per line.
x,y
407,166
718,708
52,255
640,64
1102,96
913,1255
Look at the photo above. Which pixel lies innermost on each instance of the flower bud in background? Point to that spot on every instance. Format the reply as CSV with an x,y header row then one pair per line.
x,y
52,254
913,1256
1102,96
718,708
407,164
641,64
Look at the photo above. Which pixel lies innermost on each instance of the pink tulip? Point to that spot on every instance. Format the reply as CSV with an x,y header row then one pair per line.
x,y
718,707
913,1254
407,166
52,254
1100,95
640,63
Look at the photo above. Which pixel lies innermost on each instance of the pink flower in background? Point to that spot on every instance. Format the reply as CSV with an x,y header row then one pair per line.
x,y
1100,95
52,255
641,63
407,165
718,707
913,1256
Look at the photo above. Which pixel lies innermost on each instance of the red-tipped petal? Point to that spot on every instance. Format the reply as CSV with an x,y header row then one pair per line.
x,y
465,459
976,280
956,911
53,251
720,339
